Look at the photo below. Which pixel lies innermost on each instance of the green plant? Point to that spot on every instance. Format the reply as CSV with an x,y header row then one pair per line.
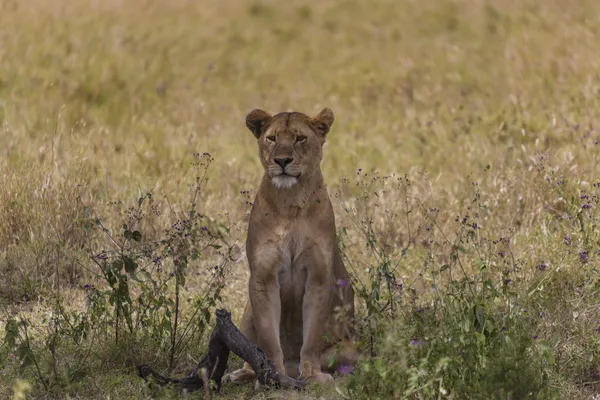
x,y
466,332
136,300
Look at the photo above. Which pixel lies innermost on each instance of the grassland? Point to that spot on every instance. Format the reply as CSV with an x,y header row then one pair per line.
x,y
477,240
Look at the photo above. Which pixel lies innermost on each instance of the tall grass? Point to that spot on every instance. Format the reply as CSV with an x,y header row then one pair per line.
x,y
463,167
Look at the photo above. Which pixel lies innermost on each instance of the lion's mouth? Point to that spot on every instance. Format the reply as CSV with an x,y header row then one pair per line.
x,y
285,172
288,174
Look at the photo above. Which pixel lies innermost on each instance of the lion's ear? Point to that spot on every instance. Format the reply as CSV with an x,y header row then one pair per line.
x,y
256,121
324,120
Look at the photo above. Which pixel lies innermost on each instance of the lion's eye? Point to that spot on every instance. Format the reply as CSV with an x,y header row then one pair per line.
x,y
271,138
301,139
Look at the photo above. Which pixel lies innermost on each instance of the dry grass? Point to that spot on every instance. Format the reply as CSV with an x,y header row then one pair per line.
x,y
103,100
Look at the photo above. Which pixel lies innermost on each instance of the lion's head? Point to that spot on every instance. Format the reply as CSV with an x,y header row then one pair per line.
x,y
290,144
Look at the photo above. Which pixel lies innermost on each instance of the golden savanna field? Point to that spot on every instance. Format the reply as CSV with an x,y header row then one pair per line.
x,y
463,166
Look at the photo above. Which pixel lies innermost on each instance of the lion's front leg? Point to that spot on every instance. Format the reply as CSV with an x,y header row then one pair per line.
x,y
266,305
316,313
266,319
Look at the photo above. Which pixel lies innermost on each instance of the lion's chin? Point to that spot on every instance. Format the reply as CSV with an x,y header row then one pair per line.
x,y
284,181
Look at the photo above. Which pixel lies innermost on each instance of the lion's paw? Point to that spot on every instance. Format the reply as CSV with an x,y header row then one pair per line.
x,y
240,376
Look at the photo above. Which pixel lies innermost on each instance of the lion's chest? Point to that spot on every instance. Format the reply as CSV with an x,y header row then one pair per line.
x,y
292,272
292,275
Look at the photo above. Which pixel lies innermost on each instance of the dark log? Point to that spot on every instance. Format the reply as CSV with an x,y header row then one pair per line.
x,y
215,363
226,337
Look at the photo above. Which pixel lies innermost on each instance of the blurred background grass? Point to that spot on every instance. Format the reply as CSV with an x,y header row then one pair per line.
x,y
103,100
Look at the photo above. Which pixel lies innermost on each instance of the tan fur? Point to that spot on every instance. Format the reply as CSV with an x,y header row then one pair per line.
x,y
301,302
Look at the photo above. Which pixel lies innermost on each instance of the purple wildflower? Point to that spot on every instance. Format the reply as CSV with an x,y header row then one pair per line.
x,y
586,206
541,267
535,336
507,281
584,255
340,283
501,253
567,240
344,369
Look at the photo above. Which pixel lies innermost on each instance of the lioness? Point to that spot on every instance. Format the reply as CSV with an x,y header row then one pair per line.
x,y
301,302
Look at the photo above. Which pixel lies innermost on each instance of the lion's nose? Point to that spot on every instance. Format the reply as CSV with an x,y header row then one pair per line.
x,y
282,162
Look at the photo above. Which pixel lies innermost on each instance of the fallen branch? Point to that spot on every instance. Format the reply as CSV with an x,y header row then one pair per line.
x,y
223,339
